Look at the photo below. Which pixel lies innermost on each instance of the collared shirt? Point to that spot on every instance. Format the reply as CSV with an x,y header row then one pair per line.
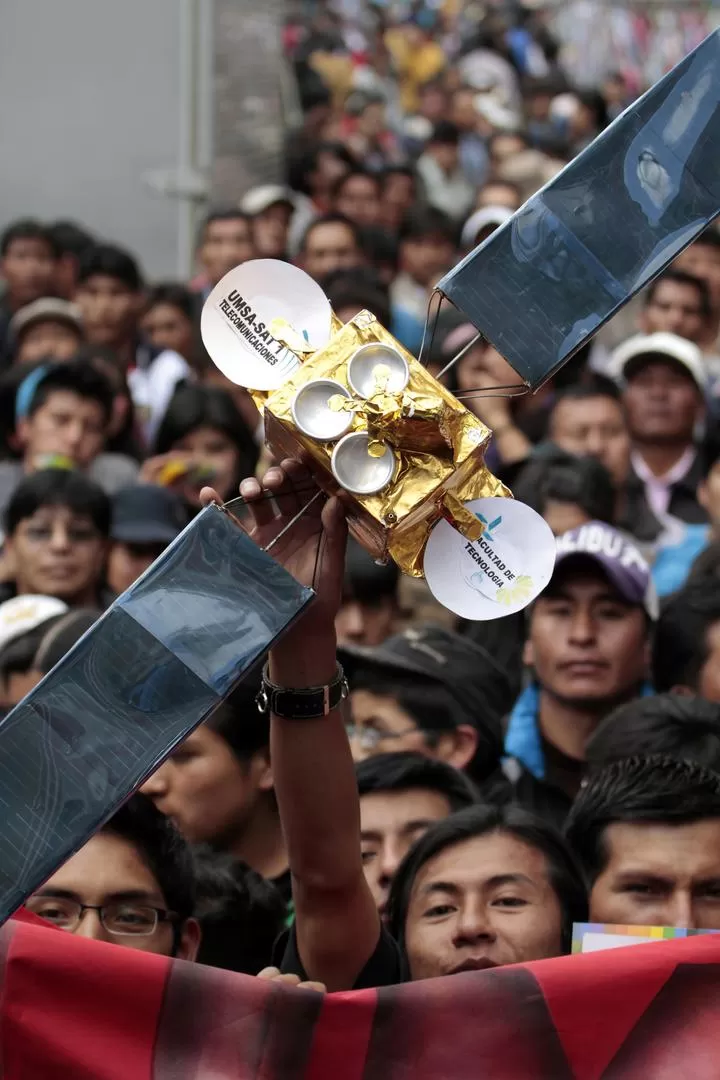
x,y
658,489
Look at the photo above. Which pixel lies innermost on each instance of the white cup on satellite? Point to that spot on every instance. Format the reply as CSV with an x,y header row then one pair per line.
x,y
363,366
499,574
247,305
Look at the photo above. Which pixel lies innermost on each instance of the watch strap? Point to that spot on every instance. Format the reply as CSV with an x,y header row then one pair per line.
x,y
307,703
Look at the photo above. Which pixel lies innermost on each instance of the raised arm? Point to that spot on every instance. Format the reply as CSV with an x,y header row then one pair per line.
x,y
336,922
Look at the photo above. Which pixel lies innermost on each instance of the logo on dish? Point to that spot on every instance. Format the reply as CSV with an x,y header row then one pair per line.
x,y
490,526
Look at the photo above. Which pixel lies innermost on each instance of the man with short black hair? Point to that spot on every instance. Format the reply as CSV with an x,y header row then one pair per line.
x,y
110,297
588,420
56,534
62,413
71,241
225,240
131,884
330,243
702,260
370,608
401,795
680,726
588,646
447,188
356,195
686,645
677,303
647,833
428,244
28,261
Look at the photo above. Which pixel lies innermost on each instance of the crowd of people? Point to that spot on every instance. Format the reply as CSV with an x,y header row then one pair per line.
x,y
466,791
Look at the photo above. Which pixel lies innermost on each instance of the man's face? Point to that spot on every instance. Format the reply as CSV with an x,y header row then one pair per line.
x,y
64,424
397,198
270,231
385,724
359,200
361,623
205,790
703,262
48,340
427,258
226,244
58,553
660,875
390,823
586,644
481,903
677,309
463,112
109,309
28,267
446,155
109,872
593,427
167,327
330,247
126,562
662,403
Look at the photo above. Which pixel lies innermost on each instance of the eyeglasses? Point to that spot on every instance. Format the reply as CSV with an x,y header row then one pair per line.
x,y
369,738
122,920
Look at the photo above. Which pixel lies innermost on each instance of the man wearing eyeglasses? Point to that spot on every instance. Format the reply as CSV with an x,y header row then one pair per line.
x,y
132,884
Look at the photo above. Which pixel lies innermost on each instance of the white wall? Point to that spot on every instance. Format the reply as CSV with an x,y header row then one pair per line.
x,y
89,102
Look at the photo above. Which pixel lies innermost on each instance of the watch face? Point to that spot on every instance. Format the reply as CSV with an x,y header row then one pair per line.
x,y
576,252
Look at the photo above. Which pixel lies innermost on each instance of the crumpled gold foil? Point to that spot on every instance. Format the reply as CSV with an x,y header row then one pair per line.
x,y
438,442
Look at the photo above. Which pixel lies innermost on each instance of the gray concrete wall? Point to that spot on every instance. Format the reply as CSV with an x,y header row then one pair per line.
x,y
88,105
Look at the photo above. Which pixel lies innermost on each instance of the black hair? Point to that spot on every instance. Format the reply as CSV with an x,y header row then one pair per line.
x,y
58,487
161,847
680,643
562,477
680,277
409,771
352,174
221,213
421,221
592,387
639,790
399,170
306,162
563,871
445,133
709,237
110,261
193,407
27,229
71,239
365,579
174,294
239,721
380,246
78,377
706,567
331,219
679,726
359,286
594,102
435,710
240,913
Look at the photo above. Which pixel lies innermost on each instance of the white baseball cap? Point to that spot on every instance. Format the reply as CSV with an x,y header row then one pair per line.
x,y
660,344
258,199
25,613
487,215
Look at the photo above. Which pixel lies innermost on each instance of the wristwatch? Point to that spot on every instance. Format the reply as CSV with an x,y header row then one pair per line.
x,y
308,703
